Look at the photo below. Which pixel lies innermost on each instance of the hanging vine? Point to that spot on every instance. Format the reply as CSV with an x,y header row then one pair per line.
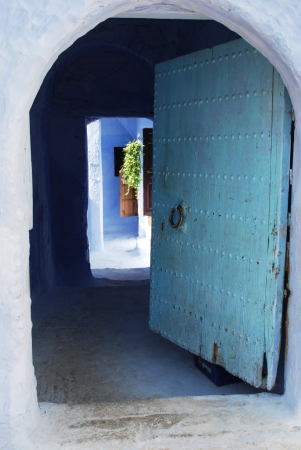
x,y
131,167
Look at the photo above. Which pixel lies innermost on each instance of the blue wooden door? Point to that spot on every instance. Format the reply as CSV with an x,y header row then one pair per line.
x,y
220,173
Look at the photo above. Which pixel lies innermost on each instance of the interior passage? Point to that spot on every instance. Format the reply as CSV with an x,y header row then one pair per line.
x,y
93,344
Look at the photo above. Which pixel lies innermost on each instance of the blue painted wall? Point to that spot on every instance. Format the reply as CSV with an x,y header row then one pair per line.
x,y
109,72
115,132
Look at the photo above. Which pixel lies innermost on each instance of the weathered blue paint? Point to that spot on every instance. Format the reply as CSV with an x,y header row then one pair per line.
x,y
221,147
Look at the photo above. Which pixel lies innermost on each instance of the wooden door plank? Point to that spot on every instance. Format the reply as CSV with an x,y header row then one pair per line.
x,y
221,146
128,202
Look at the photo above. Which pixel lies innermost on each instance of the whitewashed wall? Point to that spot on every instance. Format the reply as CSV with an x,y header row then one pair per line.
x,y
103,187
95,188
32,34
144,224
115,132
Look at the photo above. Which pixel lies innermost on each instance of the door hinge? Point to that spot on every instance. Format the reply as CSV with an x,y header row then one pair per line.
x,y
291,176
287,259
289,219
293,115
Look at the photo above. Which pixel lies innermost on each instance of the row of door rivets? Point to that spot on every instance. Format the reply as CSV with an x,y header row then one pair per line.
x,y
207,100
228,293
210,250
218,214
227,216
202,283
201,63
222,291
212,176
183,344
212,137
191,315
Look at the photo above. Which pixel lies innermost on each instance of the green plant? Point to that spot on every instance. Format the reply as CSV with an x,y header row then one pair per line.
x,y
131,167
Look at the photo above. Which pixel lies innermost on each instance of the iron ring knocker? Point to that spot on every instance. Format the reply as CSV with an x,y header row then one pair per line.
x,y
179,210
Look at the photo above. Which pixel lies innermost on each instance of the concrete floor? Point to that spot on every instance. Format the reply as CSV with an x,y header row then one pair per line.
x,y
122,253
239,422
137,274
93,345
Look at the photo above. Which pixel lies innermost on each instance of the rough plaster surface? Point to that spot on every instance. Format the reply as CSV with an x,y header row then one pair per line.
x,y
95,187
144,225
116,132
32,35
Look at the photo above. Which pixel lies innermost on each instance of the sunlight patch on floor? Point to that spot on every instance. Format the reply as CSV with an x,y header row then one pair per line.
x,y
122,253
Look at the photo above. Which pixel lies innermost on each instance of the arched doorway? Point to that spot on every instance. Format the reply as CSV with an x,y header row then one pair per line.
x,y
277,52
98,76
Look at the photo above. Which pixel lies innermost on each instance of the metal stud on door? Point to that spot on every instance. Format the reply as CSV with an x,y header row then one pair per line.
x,y
220,178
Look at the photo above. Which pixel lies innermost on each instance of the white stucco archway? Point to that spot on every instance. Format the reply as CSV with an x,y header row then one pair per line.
x,y
33,34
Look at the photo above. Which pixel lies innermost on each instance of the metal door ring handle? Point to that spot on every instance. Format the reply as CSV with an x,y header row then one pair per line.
x,y
179,210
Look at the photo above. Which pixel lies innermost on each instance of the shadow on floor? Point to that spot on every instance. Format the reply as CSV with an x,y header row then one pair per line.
x,y
93,345
125,274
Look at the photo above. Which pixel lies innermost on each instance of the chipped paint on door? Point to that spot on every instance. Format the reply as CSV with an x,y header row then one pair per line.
x,y
221,153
